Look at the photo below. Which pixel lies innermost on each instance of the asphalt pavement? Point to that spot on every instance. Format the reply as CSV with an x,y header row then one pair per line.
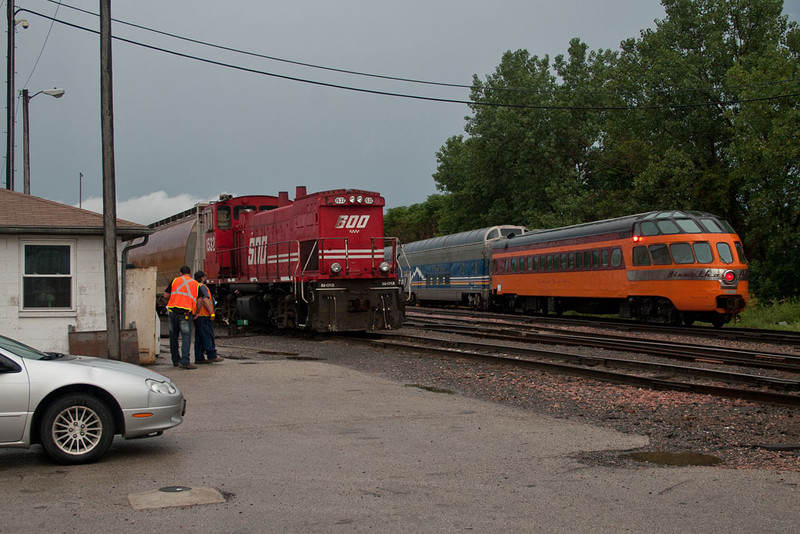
x,y
308,446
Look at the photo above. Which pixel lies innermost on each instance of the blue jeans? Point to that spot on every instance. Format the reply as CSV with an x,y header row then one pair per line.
x,y
204,339
180,323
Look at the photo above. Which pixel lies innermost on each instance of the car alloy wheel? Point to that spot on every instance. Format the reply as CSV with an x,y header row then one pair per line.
x,y
77,428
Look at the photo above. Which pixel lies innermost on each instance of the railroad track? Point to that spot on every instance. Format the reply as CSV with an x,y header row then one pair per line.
x,y
704,374
750,335
502,330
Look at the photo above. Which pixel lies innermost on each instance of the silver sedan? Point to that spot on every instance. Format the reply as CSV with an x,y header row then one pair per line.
x,y
74,405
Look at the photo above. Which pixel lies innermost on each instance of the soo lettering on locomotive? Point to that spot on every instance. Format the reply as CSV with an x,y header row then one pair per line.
x,y
315,263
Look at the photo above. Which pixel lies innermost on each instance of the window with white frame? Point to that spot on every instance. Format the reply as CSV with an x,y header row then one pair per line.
x,y
47,275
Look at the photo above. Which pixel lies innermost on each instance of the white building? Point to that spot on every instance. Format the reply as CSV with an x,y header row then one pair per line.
x,y
51,260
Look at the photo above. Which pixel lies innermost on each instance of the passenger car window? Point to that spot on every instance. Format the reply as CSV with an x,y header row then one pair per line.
x,y
688,226
571,260
660,254
740,252
649,228
702,251
668,227
604,258
640,256
724,251
681,253
616,257
595,259
711,226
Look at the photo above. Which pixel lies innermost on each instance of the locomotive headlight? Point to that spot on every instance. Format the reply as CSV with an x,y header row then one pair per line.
x,y
336,268
729,277
384,267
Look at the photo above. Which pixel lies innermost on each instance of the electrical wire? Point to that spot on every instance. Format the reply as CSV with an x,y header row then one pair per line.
x,y
44,44
392,78
477,103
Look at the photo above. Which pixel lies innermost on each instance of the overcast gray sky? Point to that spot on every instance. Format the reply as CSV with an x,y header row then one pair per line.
x,y
186,130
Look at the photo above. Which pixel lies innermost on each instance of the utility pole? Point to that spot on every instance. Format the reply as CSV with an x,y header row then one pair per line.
x,y
10,97
109,186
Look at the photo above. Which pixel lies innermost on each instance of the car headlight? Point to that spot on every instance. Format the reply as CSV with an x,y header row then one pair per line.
x,y
384,267
164,388
336,268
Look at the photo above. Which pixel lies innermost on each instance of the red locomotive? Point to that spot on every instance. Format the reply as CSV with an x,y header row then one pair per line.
x,y
315,263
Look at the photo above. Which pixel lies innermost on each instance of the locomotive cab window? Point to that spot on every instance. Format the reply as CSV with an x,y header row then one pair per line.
x,y
724,251
223,217
238,210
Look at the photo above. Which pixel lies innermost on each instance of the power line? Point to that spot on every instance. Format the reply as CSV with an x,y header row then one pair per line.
x,y
394,78
272,58
44,44
410,96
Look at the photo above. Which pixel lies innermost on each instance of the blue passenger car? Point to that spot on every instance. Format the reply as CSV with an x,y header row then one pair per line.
x,y
452,268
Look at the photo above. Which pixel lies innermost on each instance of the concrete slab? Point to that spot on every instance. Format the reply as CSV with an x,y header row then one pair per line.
x,y
176,496
306,446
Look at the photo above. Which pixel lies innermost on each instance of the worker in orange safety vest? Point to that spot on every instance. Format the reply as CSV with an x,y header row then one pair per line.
x,y
181,295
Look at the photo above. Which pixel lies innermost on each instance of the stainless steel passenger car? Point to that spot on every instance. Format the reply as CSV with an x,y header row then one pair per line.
x,y
453,268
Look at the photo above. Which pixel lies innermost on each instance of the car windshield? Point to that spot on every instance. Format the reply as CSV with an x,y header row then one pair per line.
x,y
23,350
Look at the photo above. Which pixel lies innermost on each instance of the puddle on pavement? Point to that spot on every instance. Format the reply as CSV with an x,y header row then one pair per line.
x,y
675,458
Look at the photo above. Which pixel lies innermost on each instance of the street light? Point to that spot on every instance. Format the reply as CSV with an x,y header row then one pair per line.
x,y
26,143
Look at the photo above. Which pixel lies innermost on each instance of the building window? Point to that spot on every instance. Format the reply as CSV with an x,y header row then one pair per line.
x,y
47,276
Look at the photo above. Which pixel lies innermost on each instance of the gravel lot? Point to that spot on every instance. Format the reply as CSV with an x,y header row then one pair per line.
x,y
741,434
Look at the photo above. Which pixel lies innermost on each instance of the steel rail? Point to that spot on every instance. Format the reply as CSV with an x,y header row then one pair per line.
x,y
497,354
753,335
681,351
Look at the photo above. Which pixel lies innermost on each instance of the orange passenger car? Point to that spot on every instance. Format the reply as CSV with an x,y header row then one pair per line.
x,y
666,267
